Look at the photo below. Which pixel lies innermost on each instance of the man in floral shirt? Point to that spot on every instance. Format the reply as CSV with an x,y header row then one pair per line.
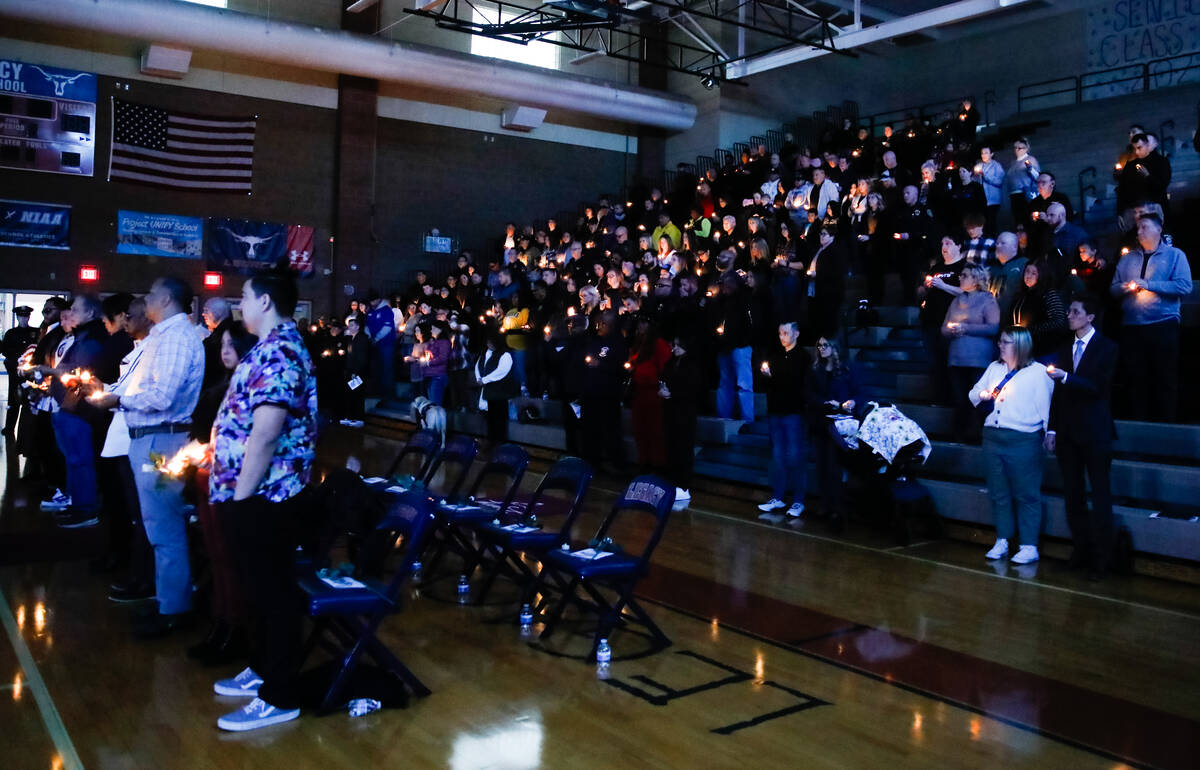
x,y
263,442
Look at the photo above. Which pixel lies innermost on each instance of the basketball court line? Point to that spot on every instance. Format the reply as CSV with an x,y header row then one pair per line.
x,y
923,560
41,694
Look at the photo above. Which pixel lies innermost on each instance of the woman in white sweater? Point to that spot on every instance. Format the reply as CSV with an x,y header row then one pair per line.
x,y
1018,391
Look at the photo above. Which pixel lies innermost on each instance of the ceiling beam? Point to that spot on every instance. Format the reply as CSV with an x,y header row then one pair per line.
x,y
917,22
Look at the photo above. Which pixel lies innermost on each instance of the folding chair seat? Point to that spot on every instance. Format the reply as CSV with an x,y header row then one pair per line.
x,y
346,619
503,536
417,456
614,572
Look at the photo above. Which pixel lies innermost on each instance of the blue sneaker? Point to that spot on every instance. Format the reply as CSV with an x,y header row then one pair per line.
x,y
255,714
244,684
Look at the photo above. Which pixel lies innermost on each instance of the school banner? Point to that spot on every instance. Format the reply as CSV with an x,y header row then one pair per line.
x,y
246,247
35,225
162,235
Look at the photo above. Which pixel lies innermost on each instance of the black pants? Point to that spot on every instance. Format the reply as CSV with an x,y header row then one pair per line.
x,y
262,538
497,420
570,427
937,347
603,438
967,425
680,434
1150,360
829,469
1092,530
115,504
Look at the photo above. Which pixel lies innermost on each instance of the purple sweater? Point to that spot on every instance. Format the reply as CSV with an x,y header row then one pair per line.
x,y
439,350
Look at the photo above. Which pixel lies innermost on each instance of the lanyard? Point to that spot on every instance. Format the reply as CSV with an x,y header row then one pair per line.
x,y
1000,387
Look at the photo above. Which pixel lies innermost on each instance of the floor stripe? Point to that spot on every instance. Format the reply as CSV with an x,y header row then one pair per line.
x,y
935,562
41,695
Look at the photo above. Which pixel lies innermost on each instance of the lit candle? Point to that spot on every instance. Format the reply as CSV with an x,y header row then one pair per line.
x,y
896,236
985,394
570,311
1074,271
1050,369
1132,286
929,280
546,330
766,368
1124,250
1118,167
587,359
978,168
482,319
721,329
628,366
85,377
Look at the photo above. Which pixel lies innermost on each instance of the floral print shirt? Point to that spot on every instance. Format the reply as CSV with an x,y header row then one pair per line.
x,y
276,372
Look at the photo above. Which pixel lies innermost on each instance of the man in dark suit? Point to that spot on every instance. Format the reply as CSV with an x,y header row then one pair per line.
x,y
1081,434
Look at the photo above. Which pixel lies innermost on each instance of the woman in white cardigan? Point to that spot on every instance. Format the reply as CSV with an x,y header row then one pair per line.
x,y
1018,391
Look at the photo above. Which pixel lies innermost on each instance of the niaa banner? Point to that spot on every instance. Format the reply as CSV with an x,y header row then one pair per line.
x,y
35,225
162,235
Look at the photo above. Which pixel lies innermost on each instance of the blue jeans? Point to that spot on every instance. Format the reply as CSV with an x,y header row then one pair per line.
x,y
736,373
74,437
518,365
436,386
161,498
789,465
1014,478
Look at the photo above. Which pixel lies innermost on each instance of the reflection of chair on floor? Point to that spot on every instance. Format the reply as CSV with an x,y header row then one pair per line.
x,y
346,620
501,475
605,568
417,456
503,542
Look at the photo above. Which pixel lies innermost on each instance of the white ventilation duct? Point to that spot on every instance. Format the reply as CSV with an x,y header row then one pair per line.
x,y
192,26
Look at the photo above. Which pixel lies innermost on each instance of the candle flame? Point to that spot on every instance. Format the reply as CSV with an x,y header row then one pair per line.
x,y
191,453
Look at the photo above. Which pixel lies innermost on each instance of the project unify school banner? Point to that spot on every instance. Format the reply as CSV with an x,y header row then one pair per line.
x,y
47,118
241,246
163,235
35,225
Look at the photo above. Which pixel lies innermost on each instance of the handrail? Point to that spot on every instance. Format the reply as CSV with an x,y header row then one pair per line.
x,y
877,120
1146,76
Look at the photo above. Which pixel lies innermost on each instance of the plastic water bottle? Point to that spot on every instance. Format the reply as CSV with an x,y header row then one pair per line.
x,y
464,589
362,706
416,572
603,659
526,621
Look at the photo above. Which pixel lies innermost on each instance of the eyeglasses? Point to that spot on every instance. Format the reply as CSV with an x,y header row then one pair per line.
x,y
1007,342
824,345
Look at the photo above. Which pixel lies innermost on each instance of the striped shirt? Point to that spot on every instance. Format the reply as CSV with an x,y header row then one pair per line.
x,y
163,383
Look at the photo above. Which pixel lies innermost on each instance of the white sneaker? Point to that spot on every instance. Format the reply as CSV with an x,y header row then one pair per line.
x,y
774,504
1026,554
255,714
57,502
796,511
999,550
244,684
682,494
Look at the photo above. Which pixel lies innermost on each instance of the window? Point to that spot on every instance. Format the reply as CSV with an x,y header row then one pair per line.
x,y
538,53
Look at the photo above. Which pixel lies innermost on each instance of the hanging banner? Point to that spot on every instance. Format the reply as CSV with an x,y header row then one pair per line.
x,y
300,249
47,118
162,235
245,247
35,225
1123,35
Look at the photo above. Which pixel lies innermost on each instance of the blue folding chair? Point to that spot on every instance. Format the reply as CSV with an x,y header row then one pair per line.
x,y
507,534
417,456
454,462
346,619
604,568
491,493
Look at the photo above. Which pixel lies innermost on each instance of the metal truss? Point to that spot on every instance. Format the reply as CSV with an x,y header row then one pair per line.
x,y
637,32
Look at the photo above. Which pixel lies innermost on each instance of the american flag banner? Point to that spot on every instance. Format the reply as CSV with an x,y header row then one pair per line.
x,y
158,147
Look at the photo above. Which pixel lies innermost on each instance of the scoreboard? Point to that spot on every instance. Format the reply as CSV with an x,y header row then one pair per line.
x,y
47,118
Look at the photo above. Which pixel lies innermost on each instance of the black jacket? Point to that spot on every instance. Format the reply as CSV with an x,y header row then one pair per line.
x,y
1082,406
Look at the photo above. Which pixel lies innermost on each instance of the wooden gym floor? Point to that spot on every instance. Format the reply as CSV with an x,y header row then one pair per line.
x,y
793,648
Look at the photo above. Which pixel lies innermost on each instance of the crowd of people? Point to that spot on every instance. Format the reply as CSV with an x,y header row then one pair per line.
x,y
133,416
729,271
720,286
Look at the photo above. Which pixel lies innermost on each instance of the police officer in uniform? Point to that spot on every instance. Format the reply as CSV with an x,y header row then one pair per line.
x,y
16,341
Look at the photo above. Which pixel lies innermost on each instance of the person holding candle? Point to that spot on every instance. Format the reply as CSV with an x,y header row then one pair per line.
x,y
647,362
971,324
158,395
1015,391
1149,282
831,387
785,370
78,426
1081,434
